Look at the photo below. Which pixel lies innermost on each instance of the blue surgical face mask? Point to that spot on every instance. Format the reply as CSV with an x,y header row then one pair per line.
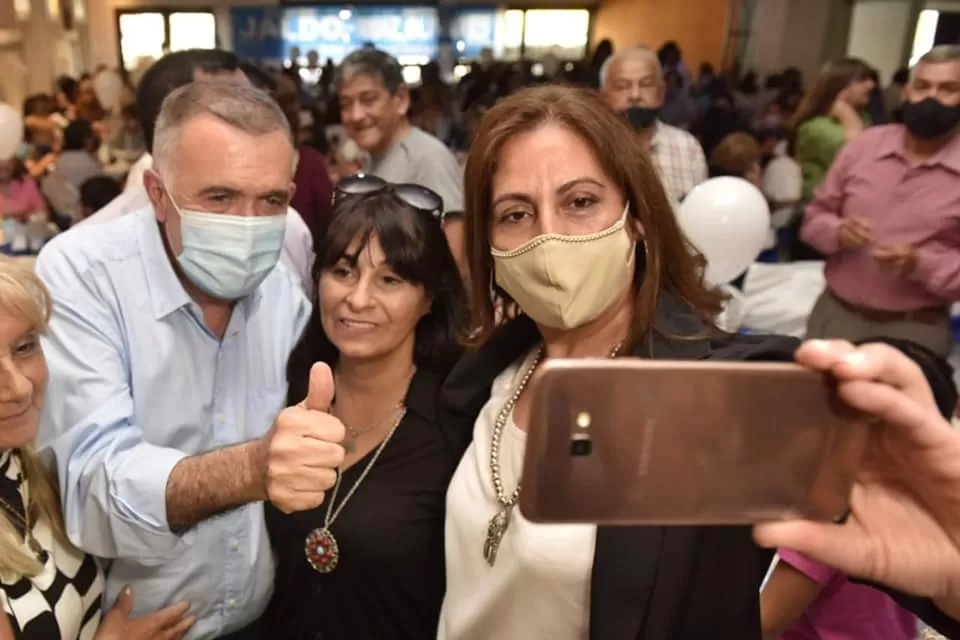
x,y
228,256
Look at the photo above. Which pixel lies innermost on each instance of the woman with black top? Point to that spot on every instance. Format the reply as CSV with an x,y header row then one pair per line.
x,y
368,562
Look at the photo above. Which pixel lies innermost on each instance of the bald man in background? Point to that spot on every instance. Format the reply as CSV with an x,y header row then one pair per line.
x,y
631,80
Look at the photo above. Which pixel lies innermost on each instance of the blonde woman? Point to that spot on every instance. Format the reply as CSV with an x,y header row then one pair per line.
x,y
48,589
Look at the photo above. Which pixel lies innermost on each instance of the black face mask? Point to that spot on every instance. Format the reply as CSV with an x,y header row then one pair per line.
x,y
641,117
930,118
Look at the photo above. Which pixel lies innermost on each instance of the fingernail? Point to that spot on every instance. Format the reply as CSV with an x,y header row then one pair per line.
x,y
819,345
857,359
128,590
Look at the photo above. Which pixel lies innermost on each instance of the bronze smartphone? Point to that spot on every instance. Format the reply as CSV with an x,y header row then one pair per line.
x,y
634,441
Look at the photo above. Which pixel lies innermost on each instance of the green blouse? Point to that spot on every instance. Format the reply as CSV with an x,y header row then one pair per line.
x,y
818,142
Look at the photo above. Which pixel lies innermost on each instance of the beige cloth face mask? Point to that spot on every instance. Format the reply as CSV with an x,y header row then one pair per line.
x,y
563,281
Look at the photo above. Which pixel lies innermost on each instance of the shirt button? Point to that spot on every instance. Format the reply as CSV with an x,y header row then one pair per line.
x,y
231,603
235,545
221,418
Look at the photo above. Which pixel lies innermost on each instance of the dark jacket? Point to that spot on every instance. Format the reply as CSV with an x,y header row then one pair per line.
x,y
656,582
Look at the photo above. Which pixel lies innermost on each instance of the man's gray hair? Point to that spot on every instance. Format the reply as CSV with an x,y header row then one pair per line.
x,y
623,54
235,102
941,53
372,62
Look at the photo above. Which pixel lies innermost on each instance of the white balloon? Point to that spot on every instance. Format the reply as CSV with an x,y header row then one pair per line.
x,y
11,131
728,220
108,86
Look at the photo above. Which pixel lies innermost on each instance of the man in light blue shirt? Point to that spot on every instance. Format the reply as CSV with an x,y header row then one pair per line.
x,y
167,352
166,74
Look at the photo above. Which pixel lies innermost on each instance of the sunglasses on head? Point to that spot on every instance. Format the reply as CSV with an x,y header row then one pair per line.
x,y
413,195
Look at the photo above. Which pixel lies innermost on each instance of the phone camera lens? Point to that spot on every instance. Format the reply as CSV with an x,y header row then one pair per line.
x,y
581,448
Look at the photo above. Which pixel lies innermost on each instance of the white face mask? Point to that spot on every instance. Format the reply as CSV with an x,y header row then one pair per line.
x,y
228,256
566,281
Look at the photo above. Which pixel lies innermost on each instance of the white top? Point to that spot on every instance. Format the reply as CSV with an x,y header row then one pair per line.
x,y
136,171
779,297
783,182
540,584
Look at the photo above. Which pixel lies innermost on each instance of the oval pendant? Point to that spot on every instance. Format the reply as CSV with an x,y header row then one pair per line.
x,y
322,551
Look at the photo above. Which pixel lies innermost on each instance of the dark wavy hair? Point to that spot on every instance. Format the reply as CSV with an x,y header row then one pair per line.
x,y
416,248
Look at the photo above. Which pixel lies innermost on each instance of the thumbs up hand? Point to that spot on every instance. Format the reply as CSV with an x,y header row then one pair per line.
x,y
304,448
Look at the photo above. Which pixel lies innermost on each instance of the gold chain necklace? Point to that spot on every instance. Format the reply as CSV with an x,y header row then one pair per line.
x,y
498,525
350,441
323,552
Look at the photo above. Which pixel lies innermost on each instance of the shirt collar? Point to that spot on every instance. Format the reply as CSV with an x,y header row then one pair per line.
x,y
949,155
251,303
895,145
399,143
658,133
166,291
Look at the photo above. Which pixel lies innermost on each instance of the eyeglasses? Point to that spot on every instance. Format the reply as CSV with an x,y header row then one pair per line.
x,y
414,195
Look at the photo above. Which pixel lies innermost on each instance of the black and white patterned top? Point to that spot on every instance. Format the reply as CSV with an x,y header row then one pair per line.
x,y
62,601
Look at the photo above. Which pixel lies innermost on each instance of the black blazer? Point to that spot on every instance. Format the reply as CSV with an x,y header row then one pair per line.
x,y
657,582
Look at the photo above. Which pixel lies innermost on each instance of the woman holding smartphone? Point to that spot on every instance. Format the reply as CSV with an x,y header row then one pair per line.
x,y
566,217
555,181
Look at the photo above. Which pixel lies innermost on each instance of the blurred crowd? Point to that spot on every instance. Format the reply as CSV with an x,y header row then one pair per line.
x,y
780,132
501,205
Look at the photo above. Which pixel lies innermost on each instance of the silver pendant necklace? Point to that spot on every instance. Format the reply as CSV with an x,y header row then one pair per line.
x,y
500,522
320,547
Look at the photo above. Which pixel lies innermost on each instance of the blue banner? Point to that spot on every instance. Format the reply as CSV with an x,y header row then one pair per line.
x,y
258,32
333,32
473,29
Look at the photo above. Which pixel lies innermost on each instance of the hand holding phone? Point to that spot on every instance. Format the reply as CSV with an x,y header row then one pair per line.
x,y
636,441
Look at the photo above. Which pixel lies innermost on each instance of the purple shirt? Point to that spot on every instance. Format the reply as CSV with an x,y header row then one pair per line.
x,y
844,610
313,196
20,198
919,205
